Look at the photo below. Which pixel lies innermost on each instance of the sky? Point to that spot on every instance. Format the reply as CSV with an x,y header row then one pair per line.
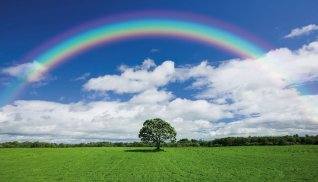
x,y
205,92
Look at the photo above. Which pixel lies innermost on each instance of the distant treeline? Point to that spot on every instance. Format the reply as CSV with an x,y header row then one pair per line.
x,y
229,141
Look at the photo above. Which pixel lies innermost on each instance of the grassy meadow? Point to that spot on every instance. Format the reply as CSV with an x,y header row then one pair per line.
x,y
254,163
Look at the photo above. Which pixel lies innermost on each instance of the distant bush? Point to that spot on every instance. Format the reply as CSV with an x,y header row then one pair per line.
x,y
228,141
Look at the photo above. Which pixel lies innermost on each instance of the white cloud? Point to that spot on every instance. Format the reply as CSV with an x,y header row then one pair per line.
x,y
109,120
101,120
82,77
152,96
148,63
278,69
261,91
302,31
240,97
197,109
134,80
154,50
23,71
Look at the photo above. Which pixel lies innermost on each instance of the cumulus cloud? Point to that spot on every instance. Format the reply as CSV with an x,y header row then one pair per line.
x,y
261,92
134,80
152,96
239,97
147,64
278,69
23,71
103,119
302,31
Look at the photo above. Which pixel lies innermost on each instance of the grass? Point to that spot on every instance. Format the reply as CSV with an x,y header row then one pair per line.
x,y
257,163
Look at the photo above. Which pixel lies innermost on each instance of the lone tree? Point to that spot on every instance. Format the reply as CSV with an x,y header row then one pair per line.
x,y
157,131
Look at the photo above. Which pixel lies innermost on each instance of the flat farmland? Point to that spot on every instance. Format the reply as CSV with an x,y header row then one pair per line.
x,y
254,163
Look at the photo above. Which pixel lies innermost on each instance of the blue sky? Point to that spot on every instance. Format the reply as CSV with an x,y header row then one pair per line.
x,y
27,24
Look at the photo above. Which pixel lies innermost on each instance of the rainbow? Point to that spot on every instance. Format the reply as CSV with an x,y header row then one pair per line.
x,y
105,31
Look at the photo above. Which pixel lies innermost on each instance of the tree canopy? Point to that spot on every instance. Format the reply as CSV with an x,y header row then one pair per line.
x,y
157,131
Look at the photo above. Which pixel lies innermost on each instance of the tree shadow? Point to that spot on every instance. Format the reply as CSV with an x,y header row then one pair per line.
x,y
145,150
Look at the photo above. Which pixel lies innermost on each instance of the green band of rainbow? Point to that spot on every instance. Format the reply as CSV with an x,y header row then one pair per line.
x,y
144,27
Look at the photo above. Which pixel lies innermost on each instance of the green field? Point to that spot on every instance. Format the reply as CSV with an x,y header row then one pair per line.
x,y
256,163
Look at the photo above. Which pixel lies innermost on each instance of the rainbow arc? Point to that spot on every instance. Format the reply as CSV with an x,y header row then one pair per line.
x,y
110,30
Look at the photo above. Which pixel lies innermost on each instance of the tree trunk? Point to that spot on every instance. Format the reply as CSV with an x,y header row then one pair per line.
x,y
158,145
